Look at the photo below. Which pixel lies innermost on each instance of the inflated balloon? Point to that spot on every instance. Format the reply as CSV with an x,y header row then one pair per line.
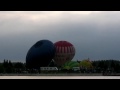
x,y
40,54
65,52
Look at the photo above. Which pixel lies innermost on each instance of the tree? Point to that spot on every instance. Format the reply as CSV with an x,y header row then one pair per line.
x,y
1,68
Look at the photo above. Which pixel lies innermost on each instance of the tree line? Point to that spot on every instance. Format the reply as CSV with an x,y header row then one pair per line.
x,y
98,66
11,67
107,66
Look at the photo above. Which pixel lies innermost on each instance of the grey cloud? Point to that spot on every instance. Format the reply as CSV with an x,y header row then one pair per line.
x,y
95,35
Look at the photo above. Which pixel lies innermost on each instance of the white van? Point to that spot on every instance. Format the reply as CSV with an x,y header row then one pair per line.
x,y
48,68
76,68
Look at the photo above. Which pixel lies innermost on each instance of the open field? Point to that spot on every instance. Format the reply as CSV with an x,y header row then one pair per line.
x,y
55,74
59,77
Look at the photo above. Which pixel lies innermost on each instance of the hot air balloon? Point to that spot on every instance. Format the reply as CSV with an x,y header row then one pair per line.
x,y
70,64
40,54
65,52
85,64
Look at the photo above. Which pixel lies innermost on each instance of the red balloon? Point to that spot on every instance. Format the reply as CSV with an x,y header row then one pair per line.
x,y
65,52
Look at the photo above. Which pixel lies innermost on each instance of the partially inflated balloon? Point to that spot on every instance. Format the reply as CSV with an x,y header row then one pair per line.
x,y
71,64
40,54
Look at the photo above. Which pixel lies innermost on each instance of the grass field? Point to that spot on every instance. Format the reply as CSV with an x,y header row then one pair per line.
x,y
56,74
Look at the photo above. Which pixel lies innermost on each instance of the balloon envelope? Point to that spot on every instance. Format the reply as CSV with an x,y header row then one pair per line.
x,y
40,54
71,64
65,52
85,64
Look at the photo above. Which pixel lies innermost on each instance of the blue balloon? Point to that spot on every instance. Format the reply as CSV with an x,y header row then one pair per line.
x,y
40,54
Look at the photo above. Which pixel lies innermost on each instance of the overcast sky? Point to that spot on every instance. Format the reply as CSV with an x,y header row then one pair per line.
x,y
94,34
